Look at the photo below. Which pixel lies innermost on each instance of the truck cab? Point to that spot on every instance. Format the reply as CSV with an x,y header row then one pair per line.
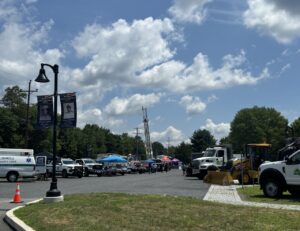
x,y
212,159
90,166
279,176
66,167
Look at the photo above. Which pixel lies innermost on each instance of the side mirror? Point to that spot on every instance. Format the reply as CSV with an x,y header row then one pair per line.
x,y
287,160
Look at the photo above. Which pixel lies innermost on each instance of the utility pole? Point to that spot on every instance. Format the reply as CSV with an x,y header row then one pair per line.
x,y
137,143
28,91
149,152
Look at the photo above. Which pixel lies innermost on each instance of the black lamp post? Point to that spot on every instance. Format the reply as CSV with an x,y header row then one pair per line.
x,y
42,78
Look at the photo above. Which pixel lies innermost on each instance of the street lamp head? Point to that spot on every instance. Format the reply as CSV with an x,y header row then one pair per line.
x,y
42,78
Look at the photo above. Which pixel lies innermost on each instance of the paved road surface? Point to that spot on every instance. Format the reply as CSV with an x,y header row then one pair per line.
x,y
171,183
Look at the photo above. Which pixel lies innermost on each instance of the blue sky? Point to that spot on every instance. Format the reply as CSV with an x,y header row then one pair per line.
x,y
192,63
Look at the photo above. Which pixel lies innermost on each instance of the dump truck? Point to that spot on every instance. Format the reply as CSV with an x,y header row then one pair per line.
x,y
213,158
244,170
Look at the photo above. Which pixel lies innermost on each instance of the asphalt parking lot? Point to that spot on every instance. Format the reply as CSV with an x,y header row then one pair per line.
x,y
170,183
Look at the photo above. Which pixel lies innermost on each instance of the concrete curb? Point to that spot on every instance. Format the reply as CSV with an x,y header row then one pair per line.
x,y
15,222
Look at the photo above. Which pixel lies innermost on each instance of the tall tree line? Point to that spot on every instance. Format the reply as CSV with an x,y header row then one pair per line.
x,y
71,142
250,125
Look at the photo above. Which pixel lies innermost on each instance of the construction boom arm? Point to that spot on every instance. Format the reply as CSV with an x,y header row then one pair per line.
x,y
147,134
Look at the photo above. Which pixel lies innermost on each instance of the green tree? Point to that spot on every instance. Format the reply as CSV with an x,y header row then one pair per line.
x,y
225,140
258,125
183,152
139,149
9,137
127,144
14,102
295,128
13,97
158,149
202,139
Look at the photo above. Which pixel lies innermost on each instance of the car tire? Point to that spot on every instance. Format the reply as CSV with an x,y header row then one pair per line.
x,y
79,174
86,172
12,177
99,174
64,173
272,188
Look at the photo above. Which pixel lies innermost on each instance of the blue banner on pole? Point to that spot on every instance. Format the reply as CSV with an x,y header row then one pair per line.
x,y
45,111
68,110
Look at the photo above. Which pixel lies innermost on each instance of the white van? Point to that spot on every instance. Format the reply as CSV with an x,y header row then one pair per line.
x,y
15,163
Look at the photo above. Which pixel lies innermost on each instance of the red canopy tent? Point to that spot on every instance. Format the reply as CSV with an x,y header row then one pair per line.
x,y
165,159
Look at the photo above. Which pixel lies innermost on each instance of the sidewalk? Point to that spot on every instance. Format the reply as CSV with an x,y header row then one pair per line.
x,y
229,195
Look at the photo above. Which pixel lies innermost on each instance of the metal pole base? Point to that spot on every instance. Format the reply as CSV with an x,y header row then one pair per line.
x,y
53,199
53,192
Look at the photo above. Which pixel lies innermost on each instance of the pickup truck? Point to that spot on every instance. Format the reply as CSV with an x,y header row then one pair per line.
x,y
90,166
279,176
66,167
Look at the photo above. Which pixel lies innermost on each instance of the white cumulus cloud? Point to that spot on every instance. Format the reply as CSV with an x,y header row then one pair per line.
x,y
193,105
217,130
131,105
278,19
96,116
200,75
119,52
172,134
192,11
20,42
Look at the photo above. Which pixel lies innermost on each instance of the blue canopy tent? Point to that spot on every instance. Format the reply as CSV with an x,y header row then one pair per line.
x,y
149,161
112,158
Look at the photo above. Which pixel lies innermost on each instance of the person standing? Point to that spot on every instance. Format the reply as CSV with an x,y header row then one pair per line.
x,y
183,169
166,167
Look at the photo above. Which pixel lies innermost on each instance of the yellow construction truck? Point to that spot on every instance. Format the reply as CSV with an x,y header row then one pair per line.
x,y
244,169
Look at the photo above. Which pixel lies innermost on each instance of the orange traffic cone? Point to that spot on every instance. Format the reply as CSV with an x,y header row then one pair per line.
x,y
17,196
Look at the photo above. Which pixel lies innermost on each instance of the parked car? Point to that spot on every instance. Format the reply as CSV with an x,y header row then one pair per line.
x,y
90,166
136,167
66,167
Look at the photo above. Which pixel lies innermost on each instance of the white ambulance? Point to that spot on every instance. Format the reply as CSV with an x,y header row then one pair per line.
x,y
16,163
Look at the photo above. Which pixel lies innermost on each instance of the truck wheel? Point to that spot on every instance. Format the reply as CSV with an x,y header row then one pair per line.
x,y
86,172
64,174
12,177
245,179
272,188
79,174
201,175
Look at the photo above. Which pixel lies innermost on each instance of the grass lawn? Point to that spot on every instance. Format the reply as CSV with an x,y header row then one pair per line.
x,y
116,211
253,193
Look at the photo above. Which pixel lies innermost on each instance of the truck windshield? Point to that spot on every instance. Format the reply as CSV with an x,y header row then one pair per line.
x,y
209,153
89,161
68,162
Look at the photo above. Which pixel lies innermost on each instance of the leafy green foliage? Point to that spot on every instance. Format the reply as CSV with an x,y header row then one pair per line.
x,y
295,128
202,139
258,125
250,125
158,149
183,152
